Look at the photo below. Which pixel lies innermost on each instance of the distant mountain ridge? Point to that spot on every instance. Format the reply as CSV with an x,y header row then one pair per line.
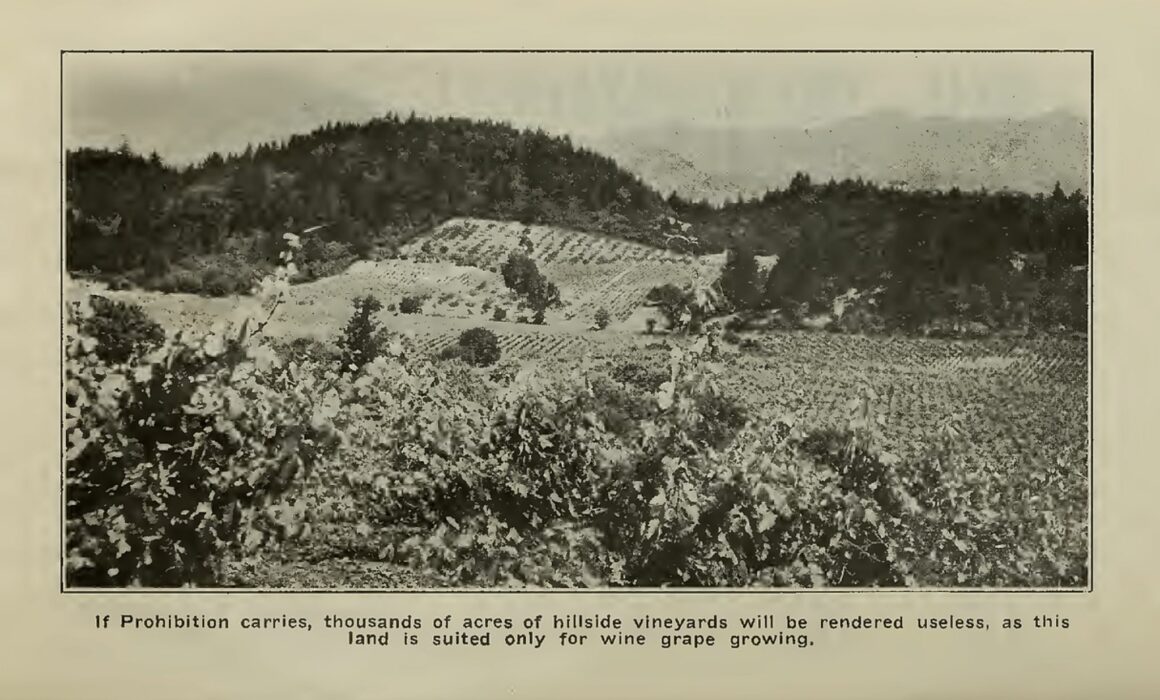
x,y
719,164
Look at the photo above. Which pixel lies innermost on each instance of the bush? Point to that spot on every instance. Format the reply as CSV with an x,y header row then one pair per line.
x,y
479,347
219,283
602,318
121,330
411,305
499,314
211,275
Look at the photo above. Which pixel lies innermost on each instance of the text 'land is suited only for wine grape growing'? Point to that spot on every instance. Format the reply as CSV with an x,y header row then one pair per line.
x,y
585,630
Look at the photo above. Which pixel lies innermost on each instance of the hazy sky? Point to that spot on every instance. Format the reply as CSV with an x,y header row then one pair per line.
x,y
186,105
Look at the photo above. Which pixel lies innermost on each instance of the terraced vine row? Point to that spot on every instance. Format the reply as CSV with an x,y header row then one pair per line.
x,y
486,244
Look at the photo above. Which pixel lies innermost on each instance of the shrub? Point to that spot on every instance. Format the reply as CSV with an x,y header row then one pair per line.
x,y
602,318
411,305
121,330
210,275
479,347
499,314
217,283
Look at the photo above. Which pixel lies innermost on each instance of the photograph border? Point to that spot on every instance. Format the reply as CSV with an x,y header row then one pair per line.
x,y
617,591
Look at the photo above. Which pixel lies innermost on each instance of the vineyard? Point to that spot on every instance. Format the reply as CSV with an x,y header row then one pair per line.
x,y
991,392
1000,484
582,457
1016,413
592,271
485,244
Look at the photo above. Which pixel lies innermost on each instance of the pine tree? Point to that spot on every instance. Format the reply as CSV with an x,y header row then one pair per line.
x,y
360,338
740,278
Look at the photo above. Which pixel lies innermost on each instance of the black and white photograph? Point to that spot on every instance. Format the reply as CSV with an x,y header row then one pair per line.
x,y
758,321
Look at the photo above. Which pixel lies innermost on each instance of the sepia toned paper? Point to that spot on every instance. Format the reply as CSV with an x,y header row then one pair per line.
x,y
52,649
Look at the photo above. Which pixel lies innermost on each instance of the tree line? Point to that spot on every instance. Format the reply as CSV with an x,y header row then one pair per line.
x,y
910,259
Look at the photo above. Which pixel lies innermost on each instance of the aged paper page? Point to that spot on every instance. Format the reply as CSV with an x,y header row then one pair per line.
x,y
652,349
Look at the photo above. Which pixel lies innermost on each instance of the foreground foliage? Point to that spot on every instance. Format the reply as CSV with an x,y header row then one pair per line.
x,y
180,453
587,480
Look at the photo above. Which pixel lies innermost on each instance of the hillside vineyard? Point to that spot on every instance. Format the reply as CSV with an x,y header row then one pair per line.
x,y
426,352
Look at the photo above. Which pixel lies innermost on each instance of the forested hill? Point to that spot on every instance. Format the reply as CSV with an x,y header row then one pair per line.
x,y
209,228
372,185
